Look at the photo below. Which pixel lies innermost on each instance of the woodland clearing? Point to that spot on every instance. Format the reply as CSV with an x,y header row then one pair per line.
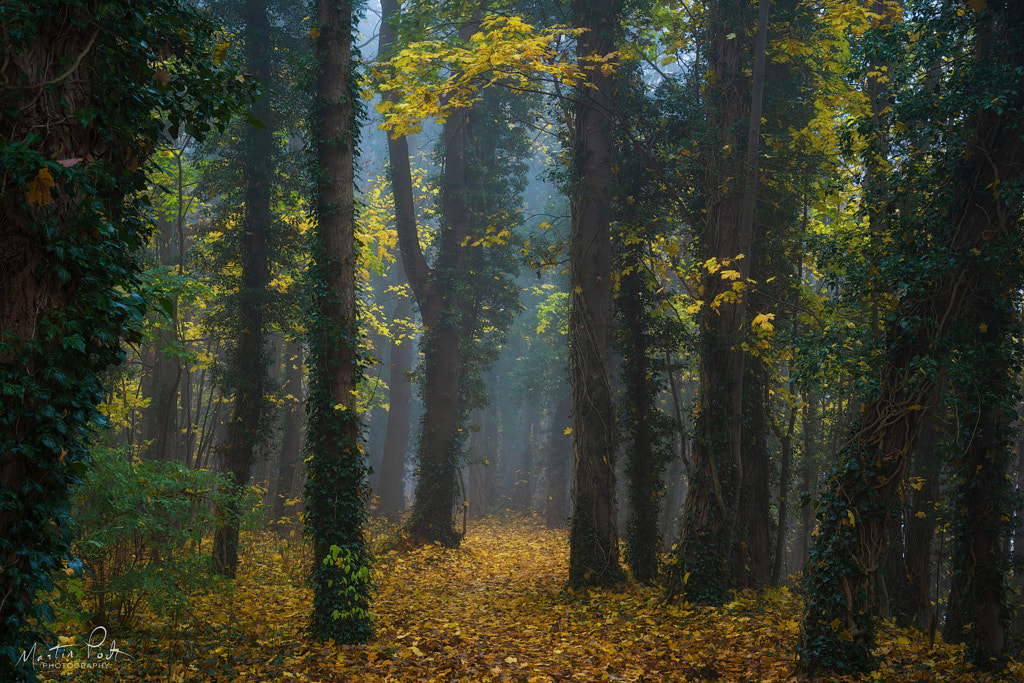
x,y
496,609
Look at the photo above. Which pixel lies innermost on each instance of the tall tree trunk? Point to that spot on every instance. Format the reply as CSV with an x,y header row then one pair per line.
x,y
396,441
908,565
437,293
752,551
786,446
249,360
441,437
335,510
809,424
981,492
593,534
645,456
522,487
711,512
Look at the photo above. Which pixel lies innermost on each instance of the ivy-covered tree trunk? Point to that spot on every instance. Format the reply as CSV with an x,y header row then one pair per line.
x,y
701,567
909,562
645,460
753,551
75,133
593,533
985,391
955,312
441,308
335,488
248,362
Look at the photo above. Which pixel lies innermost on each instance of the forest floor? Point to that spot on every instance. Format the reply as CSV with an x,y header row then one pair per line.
x,y
496,609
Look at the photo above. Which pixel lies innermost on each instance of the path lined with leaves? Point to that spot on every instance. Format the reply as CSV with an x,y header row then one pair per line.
x,y
493,610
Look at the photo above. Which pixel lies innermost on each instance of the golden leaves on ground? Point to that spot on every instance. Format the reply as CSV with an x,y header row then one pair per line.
x,y
494,610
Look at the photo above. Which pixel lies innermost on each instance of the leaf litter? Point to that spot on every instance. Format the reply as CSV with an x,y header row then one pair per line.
x,y
495,609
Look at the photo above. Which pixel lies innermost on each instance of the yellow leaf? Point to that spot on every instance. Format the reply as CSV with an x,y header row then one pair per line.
x,y
983,328
568,431
39,188
220,51
416,651
976,5
853,520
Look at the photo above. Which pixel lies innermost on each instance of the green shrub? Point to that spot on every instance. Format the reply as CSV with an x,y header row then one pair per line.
x,y
138,531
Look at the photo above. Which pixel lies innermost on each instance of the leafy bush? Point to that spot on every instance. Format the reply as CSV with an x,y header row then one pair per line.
x,y
139,526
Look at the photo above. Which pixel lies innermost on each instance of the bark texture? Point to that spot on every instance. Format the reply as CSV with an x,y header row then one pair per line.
x,y
593,533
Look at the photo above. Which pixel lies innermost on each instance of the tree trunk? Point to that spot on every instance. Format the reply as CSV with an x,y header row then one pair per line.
x,y
249,361
392,468
908,566
335,509
752,552
645,456
711,512
522,488
810,430
786,446
593,534
440,306
961,305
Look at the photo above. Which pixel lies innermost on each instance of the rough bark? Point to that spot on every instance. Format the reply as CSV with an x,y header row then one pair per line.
x,y
645,456
711,512
593,533
335,506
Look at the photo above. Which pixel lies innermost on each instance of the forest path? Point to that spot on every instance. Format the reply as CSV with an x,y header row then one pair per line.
x,y
495,609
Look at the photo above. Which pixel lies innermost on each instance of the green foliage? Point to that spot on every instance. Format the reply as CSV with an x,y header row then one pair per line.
x,y
352,584
148,72
138,527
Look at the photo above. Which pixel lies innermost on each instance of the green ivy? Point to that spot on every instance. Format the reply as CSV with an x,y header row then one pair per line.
x,y
335,512
145,71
